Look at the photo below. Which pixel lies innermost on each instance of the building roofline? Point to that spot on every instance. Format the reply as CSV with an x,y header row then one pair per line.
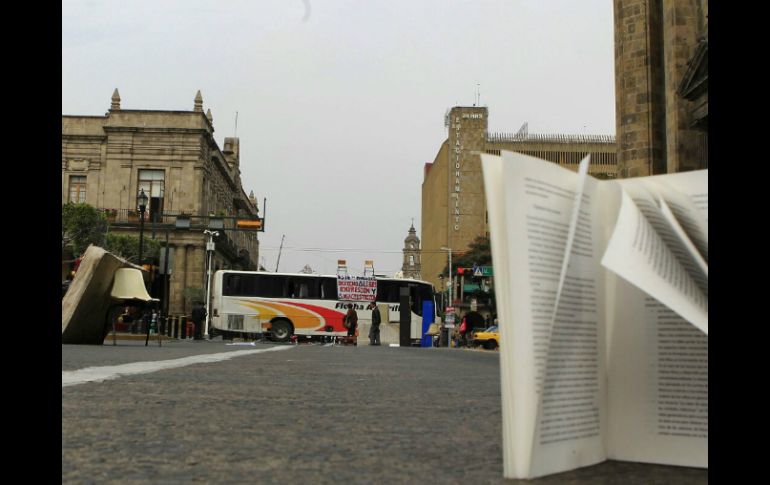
x,y
84,116
535,137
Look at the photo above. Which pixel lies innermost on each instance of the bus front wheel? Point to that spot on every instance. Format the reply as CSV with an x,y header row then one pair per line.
x,y
281,330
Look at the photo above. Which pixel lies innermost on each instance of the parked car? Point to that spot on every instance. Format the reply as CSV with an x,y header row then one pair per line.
x,y
488,338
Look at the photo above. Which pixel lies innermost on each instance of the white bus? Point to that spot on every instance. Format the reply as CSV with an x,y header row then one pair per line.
x,y
280,305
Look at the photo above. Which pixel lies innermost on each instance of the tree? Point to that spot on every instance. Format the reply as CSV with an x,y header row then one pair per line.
x,y
193,294
127,246
479,253
82,225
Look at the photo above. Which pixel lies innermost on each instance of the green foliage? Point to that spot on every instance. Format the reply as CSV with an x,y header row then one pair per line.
x,y
193,294
82,225
479,252
127,246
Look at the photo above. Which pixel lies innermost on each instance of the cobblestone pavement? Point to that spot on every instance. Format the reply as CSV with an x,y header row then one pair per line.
x,y
126,351
311,414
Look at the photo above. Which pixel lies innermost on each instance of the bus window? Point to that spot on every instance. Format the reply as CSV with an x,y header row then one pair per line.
x,y
230,283
238,285
418,294
269,286
387,291
328,288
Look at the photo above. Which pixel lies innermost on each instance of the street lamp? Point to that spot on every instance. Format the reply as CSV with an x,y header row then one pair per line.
x,y
449,251
451,301
443,296
210,248
141,201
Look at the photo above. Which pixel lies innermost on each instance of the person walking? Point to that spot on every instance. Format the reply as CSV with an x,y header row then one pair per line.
x,y
351,319
198,317
374,331
462,339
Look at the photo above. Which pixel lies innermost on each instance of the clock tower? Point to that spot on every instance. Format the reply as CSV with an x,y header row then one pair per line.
x,y
412,267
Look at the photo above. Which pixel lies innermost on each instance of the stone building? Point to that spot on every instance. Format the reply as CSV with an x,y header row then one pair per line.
x,y
661,85
172,156
411,268
454,209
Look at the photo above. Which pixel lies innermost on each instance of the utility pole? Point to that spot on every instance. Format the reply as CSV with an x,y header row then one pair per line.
x,y
279,253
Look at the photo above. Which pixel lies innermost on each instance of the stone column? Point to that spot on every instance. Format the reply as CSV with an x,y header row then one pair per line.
x,y
178,280
639,88
682,19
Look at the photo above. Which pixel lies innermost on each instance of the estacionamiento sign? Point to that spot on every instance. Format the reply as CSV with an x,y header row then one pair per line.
x,y
356,288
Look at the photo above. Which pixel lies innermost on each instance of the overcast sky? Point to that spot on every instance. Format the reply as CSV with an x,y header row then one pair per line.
x,y
341,102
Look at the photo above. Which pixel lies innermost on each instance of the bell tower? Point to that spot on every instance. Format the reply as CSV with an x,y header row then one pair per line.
x,y
412,267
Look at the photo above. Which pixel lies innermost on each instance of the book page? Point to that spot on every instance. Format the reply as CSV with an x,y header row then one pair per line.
x,y
570,419
534,211
516,457
659,214
686,195
638,253
657,361
657,368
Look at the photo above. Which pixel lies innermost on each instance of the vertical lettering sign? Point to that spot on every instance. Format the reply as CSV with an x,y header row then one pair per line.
x,y
457,151
456,194
356,288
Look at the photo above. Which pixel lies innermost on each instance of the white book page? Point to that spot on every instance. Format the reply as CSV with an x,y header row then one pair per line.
x,y
571,411
686,195
658,213
637,253
538,201
516,456
657,369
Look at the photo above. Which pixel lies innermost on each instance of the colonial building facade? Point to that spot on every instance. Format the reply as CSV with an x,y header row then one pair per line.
x,y
172,157
454,210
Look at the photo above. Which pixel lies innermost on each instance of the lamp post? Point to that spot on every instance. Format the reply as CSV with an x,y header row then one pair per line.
x,y
210,249
451,300
449,251
141,201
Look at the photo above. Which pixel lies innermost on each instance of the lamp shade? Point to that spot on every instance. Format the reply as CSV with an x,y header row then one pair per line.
x,y
141,200
129,284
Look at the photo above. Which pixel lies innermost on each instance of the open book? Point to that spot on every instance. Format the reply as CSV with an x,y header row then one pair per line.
x,y
602,294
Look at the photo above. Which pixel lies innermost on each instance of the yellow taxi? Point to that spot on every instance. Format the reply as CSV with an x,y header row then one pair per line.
x,y
488,338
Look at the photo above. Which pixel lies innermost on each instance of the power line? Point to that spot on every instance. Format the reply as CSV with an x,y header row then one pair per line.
x,y
329,250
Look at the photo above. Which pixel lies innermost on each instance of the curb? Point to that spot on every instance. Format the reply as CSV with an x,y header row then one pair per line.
x,y
136,336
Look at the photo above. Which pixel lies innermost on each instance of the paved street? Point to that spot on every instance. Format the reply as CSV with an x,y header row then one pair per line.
x,y
306,414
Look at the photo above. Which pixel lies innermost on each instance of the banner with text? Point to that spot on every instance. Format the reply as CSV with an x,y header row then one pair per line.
x,y
356,288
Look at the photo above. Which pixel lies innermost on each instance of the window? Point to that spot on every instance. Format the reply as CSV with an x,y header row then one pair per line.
x,y
328,288
387,291
77,189
271,286
304,287
153,184
411,260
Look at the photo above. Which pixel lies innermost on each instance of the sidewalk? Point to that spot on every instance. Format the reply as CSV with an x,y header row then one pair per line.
x,y
135,336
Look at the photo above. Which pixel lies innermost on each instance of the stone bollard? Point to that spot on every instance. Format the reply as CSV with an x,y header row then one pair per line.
x,y
175,321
